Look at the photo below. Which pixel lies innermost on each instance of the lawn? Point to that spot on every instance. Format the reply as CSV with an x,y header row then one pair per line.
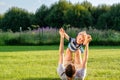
x,y
40,63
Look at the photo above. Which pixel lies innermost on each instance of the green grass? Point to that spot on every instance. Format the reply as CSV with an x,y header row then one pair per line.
x,y
40,63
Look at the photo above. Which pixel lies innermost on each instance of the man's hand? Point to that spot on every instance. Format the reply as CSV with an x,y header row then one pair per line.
x,y
61,32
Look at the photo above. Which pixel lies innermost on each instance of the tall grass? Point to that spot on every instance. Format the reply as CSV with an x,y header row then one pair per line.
x,y
51,36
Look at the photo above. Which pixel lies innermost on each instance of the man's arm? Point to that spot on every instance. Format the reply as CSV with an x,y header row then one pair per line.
x,y
65,34
61,47
85,57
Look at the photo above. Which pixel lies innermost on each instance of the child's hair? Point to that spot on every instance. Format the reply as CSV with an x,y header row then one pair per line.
x,y
82,33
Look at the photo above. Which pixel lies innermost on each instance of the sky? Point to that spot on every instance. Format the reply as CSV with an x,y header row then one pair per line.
x,y
33,5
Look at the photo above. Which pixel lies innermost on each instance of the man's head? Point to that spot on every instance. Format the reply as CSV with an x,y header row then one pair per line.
x,y
70,71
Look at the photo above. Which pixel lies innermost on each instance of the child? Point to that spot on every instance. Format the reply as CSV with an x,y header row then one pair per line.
x,y
78,42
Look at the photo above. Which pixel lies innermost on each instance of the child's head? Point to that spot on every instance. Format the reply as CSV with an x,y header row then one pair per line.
x,y
81,37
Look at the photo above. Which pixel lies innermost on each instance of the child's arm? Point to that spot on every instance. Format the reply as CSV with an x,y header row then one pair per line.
x,y
66,36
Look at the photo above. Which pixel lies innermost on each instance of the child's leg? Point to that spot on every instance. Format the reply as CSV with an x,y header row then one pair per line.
x,y
78,59
68,57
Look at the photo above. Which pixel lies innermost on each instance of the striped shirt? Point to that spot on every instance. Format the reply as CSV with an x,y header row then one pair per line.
x,y
73,46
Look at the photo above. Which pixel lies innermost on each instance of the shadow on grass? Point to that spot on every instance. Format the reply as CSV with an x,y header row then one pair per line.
x,y
45,47
41,79
27,48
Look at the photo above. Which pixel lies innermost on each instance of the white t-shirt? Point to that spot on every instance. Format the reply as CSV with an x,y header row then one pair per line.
x,y
81,73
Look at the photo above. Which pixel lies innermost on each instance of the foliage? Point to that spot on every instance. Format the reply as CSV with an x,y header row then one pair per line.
x,y
78,16
115,17
40,15
63,12
50,36
57,13
15,18
1,18
97,12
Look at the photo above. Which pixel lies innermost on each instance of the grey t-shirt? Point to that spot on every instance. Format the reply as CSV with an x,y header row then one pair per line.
x,y
80,74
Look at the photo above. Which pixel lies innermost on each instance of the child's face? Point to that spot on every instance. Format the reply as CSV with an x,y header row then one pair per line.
x,y
80,39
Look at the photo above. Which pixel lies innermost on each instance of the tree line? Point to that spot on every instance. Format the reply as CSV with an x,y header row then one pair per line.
x,y
63,13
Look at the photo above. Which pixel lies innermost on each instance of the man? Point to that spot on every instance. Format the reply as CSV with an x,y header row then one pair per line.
x,y
74,69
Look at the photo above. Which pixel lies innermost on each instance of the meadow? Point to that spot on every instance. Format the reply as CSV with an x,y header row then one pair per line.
x,y
40,63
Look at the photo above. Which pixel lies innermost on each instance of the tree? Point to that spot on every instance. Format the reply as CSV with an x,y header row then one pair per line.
x,y
32,18
57,13
1,17
15,18
87,5
98,11
40,15
103,21
78,16
110,19
115,17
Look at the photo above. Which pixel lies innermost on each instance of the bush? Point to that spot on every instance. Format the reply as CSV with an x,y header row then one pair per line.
x,y
50,36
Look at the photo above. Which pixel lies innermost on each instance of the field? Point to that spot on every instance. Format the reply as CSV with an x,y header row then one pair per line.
x,y
40,63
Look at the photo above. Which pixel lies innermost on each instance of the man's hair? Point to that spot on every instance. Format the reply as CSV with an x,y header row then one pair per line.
x,y
70,70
